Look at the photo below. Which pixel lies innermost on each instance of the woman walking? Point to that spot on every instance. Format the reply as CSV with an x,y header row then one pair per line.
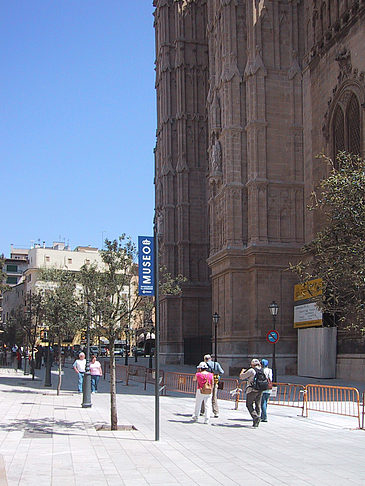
x,y
96,372
204,390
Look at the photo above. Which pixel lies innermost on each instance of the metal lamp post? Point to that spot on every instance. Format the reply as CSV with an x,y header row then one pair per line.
x,y
47,375
86,385
150,327
26,347
216,318
274,309
127,334
135,346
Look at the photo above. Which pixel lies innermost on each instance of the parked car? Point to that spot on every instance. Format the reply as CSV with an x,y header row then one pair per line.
x,y
118,351
139,351
94,350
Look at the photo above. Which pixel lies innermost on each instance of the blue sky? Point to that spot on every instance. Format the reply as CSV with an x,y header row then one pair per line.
x,y
77,122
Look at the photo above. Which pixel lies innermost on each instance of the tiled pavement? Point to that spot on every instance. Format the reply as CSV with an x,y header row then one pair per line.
x,y
47,439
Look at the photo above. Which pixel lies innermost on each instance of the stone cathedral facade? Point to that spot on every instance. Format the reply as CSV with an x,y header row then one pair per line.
x,y
248,93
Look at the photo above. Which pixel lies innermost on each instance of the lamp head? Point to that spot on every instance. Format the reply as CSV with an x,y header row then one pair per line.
x,y
274,308
216,317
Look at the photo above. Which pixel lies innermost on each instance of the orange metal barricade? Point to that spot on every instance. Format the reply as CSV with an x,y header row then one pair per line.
x,y
180,382
288,395
150,377
337,400
283,394
136,373
121,372
106,368
229,391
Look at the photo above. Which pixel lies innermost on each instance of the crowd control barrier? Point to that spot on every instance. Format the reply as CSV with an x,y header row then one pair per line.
x,y
283,394
180,382
320,398
150,378
136,373
333,399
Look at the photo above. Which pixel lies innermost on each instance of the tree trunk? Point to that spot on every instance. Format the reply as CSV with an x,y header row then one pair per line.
x,y
59,365
113,390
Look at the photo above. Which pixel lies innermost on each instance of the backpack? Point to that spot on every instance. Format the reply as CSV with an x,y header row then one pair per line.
x,y
207,388
260,381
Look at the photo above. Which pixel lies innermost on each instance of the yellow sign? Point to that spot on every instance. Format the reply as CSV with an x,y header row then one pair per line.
x,y
317,323
310,289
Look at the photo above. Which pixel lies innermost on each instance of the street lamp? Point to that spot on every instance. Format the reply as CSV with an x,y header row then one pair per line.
x,y
135,346
86,384
274,309
127,334
150,327
216,318
47,373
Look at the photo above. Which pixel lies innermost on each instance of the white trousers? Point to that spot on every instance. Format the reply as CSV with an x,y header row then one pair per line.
x,y
207,399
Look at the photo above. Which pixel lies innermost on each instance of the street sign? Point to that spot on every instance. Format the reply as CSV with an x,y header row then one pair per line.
x,y
272,336
146,261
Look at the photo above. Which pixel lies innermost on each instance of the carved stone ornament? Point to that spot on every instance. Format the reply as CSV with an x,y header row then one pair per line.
x,y
294,69
343,58
183,5
216,158
252,67
230,69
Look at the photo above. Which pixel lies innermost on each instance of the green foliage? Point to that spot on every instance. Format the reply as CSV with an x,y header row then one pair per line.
x,y
108,289
63,307
3,285
336,254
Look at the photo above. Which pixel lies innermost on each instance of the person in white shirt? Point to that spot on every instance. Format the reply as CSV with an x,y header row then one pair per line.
x,y
79,367
266,393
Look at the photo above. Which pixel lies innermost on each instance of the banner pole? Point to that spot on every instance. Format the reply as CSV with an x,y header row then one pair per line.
x,y
157,333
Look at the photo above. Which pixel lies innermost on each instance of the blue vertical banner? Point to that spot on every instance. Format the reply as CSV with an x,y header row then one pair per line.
x,y
146,265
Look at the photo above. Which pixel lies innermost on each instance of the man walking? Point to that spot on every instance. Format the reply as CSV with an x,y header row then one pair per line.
x,y
215,368
253,395
79,367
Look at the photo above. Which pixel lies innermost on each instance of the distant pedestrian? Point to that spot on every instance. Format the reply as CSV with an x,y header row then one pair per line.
x,y
215,368
204,391
18,355
96,372
79,367
266,393
253,396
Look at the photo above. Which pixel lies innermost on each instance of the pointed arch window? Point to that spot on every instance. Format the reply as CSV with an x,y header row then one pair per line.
x,y
353,125
338,131
346,125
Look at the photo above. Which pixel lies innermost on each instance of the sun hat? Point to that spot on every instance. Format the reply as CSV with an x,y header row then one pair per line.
x,y
202,366
255,362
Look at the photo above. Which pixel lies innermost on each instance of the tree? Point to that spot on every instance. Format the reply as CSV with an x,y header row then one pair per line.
x,y
336,254
63,308
108,290
30,321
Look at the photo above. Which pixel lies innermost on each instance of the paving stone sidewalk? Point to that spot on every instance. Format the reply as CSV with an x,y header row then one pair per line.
x,y
51,440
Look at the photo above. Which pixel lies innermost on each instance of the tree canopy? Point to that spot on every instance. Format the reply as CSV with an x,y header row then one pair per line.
x,y
336,254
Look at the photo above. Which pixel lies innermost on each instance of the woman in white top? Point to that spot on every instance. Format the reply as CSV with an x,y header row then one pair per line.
x,y
265,394
95,372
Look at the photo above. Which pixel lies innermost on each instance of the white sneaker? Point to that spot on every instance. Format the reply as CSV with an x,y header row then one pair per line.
x,y
206,422
194,418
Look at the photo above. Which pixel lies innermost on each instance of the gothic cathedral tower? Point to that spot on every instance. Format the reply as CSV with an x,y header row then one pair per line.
x,y
181,160
248,93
